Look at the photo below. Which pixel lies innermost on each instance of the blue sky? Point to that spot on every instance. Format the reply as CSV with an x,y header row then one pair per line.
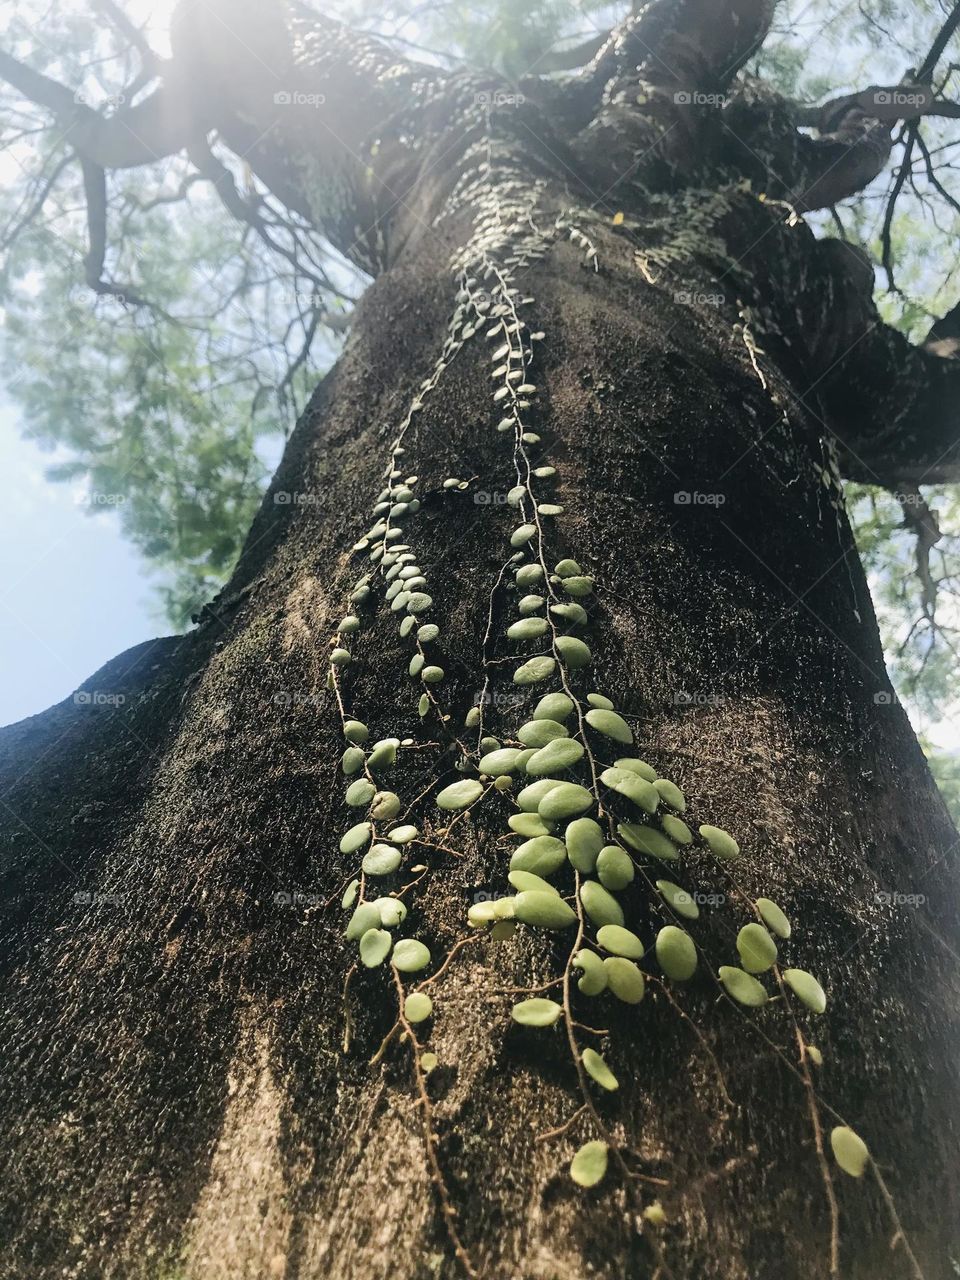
x,y
73,593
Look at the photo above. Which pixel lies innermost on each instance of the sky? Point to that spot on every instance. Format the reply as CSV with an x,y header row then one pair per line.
x,y
73,592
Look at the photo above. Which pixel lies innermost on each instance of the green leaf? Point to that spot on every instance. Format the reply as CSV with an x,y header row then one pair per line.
x,y
375,947
542,855
757,949
565,800
524,880
589,1165
744,989
676,953
356,837
527,629
584,840
648,840
671,794
643,794
573,652
849,1150
381,860
410,956
632,765
553,706
556,756
538,733
620,941
624,979
721,842
599,904
365,917
503,760
594,979
458,795
679,899
773,917
534,670
806,988
536,1012
598,1070
360,793
417,1007
545,910
610,725
614,867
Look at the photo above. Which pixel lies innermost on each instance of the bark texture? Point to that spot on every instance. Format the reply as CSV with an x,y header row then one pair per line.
x,y
177,1097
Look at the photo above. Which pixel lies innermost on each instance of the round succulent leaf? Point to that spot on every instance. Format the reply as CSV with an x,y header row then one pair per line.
x,y
624,979
528,824
649,841
678,899
541,855
526,880
756,948
458,795
849,1150
589,1165
610,724
365,916
417,1007
565,800
573,652
534,670
806,988
503,760
560,754
538,733
410,955
598,1070
620,941
381,860
355,731
536,1012
545,910
775,920
676,829
599,904
615,868
742,987
676,953
671,794
529,798
630,764
356,837
527,629
553,706
594,979
720,842
584,840
375,947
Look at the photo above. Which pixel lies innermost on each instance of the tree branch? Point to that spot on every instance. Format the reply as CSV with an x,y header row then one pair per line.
x,y
132,136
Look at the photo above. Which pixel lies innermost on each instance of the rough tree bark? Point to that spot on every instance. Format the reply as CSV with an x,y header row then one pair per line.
x,y
188,1087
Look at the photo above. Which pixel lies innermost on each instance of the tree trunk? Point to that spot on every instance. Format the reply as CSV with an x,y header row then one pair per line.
x,y
188,1080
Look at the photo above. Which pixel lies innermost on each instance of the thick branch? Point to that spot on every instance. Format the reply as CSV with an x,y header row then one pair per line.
x,y
133,136
894,407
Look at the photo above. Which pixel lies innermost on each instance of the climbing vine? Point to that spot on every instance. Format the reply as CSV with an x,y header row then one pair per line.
x,y
600,837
